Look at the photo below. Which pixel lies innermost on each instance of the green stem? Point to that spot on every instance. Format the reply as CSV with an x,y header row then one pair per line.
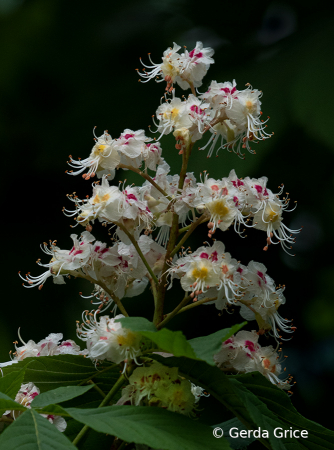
x,y
174,233
97,388
119,383
169,316
147,177
140,253
198,303
182,230
123,444
154,291
97,374
105,288
203,218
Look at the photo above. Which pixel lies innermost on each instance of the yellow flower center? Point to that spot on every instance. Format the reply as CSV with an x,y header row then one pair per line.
x,y
129,340
272,216
219,208
99,149
171,114
200,273
250,106
98,199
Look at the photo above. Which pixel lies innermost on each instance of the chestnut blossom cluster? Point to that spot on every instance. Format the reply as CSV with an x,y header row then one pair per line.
x,y
233,116
131,148
186,69
242,353
224,202
162,204
106,339
118,267
25,396
158,385
210,272
242,202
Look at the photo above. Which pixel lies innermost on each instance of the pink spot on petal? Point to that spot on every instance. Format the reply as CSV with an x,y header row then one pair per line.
x,y
128,136
214,256
250,345
132,197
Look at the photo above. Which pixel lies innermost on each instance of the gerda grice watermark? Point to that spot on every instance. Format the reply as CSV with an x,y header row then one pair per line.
x,y
234,433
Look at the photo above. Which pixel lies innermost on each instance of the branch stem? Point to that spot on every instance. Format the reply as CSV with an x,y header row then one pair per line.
x,y
119,383
175,311
198,303
147,177
203,218
140,253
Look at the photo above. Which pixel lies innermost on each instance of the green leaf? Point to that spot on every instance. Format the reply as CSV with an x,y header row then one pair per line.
x,y
11,383
61,394
7,403
277,401
207,346
152,426
170,341
235,442
33,432
50,372
202,348
251,411
137,324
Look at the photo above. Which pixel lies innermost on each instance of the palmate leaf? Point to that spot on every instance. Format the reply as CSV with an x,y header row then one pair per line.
x,y
319,437
30,431
202,348
152,426
251,411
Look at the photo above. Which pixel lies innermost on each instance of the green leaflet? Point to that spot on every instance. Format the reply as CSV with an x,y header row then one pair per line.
x,y
152,426
319,437
7,403
33,432
202,348
238,443
50,372
61,394
11,383
207,346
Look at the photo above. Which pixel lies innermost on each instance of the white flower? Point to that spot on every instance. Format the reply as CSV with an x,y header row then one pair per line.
x,y
220,95
103,158
130,145
186,69
50,346
63,262
236,117
264,311
195,66
26,394
243,353
173,113
107,339
270,219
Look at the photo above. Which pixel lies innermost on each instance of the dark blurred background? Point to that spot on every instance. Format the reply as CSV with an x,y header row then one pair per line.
x,y
68,66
